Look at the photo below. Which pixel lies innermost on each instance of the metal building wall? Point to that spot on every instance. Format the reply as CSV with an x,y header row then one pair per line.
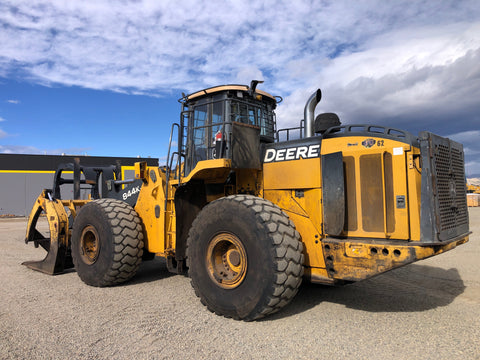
x,y
23,177
18,191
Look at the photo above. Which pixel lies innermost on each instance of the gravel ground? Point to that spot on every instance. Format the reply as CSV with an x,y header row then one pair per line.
x,y
427,310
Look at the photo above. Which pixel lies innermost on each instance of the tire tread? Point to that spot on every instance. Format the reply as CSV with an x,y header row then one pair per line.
x,y
127,244
286,245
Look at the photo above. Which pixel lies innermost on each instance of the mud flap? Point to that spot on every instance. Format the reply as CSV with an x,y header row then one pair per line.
x,y
58,257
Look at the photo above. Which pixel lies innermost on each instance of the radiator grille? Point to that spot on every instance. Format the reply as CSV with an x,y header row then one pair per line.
x,y
450,176
444,201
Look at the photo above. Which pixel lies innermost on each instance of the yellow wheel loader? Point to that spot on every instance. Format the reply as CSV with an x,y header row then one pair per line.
x,y
248,211
473,189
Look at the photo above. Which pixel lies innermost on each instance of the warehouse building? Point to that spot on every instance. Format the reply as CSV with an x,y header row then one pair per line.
x,y
23,177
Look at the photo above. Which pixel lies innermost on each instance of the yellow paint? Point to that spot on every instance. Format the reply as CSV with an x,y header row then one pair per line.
x,y
227,88
414,182
160,232
152,197
293,174
318,275
473,189
305,212
311,239
56,214
355,260
126,168
285,200
208,170
312,203
27,172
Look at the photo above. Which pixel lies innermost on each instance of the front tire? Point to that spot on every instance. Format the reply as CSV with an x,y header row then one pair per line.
x,y
244,257
107,242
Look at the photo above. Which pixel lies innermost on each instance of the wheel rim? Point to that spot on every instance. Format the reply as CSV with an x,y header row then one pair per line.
x,y
89,245
226,261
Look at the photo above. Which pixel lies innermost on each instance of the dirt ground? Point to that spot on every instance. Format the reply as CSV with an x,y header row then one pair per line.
x,y
427,310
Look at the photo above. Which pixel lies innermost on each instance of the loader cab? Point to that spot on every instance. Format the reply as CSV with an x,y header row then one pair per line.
x,y
227,122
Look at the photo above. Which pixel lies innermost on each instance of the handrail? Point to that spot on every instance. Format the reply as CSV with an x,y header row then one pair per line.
x,y
168,168
300,128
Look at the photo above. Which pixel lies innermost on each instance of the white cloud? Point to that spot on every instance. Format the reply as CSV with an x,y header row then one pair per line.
x,y
155,46
472,168
15,149
1,119
13,101
247,74
391,76
466,137
20,149
470,141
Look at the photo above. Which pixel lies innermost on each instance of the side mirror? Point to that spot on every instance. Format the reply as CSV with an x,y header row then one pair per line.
x,y
325,121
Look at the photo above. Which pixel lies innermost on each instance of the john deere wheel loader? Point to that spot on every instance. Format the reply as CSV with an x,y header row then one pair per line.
x,y
249,213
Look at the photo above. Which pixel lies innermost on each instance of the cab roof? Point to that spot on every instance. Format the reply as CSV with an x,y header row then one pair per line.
x,y
221,88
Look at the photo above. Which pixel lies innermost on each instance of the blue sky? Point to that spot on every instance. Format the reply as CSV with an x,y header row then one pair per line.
x,y
103,77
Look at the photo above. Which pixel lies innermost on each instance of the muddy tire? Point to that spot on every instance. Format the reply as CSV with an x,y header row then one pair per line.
x,y
107,242
244,257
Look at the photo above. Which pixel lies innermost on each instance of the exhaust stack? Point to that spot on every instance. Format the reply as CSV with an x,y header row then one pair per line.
x,y
309,112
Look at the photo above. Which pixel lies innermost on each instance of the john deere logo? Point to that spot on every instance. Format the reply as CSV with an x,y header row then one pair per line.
x,y
368,143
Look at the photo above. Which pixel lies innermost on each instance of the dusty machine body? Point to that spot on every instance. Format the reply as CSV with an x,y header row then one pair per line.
x,y
249,213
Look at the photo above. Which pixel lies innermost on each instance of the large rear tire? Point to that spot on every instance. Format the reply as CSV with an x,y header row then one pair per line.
x,y
244,257
107,242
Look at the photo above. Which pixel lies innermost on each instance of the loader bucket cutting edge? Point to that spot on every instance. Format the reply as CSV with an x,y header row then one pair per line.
x,y
57,258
